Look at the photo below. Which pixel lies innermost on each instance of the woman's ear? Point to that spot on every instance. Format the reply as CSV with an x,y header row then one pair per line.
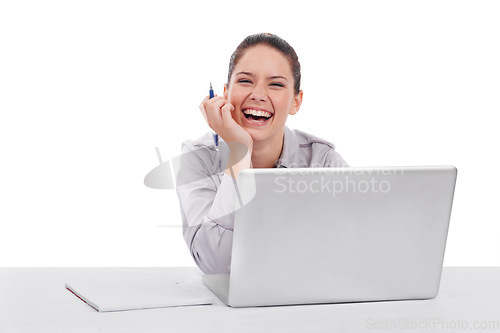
x,y
297,102
225,90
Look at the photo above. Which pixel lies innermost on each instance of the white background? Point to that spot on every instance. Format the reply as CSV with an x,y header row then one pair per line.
x,y
89,88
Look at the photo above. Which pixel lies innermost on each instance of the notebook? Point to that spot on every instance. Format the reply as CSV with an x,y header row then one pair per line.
x,y
113,293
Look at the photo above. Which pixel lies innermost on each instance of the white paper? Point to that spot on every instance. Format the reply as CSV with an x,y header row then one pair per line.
x,y
125,293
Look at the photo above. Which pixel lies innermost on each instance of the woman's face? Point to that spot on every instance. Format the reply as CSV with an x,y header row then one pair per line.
x,y
262,80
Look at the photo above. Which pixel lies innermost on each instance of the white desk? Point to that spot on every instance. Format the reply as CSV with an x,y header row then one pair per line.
x,y
35,300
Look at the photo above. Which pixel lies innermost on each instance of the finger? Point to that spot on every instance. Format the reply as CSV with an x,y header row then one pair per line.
x,y
226,112
203,112
216,101
228,107
213,110
206,106
202,107
219,103
206,99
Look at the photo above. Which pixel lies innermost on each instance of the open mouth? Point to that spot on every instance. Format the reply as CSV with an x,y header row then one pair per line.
x,y
257,116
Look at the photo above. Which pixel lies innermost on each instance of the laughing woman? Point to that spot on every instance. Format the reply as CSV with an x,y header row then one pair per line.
x,y
263,88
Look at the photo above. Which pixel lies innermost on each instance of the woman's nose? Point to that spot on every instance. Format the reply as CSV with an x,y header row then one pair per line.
x,y
258,94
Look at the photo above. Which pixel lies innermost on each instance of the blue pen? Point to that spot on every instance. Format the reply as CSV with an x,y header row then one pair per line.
x,y
216,136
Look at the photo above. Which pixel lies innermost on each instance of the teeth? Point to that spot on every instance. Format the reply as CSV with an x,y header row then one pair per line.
x,y
258,113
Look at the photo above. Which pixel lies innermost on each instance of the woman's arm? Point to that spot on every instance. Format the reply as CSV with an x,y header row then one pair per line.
x,y
208,201
207,198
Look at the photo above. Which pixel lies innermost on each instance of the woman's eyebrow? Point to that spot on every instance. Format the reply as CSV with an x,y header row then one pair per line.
x,y
245,73
278,77
269,78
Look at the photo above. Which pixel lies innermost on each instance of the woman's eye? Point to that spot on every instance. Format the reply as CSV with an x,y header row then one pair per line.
x,y
244,81
278,84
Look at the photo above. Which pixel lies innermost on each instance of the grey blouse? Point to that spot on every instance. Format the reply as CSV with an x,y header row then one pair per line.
x,y
207,194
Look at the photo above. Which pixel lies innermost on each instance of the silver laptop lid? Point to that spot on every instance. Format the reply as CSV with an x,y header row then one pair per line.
x,y
322,235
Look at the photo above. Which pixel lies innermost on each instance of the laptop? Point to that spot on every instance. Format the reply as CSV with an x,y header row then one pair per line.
x,y
334,235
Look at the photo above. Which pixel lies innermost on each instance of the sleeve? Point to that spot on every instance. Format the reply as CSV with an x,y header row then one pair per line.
x,y
207,209
334,160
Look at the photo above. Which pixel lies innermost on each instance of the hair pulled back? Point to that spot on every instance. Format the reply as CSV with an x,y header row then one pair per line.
x,y
274,42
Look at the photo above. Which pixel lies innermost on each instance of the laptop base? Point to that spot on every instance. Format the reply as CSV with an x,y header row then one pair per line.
x,y
219,285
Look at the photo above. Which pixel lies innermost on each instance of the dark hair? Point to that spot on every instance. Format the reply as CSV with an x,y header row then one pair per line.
x,y
274,42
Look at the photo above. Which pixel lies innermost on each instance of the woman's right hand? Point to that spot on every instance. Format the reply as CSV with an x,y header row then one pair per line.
x,y
218,114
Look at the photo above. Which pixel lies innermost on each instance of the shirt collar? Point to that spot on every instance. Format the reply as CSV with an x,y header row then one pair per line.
x,y
289,152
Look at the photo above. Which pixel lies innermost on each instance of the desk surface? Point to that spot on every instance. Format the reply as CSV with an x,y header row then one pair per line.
x,y
35,300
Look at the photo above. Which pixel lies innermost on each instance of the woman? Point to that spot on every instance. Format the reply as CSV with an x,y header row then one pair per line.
x,y
263,88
